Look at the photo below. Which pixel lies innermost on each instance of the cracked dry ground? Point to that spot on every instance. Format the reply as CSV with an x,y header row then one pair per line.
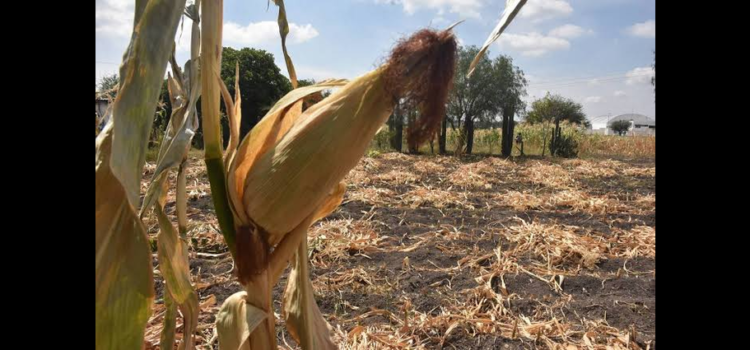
x,y
471,253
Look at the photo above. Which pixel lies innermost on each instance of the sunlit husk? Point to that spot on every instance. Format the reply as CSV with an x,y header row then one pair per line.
x,y
291,179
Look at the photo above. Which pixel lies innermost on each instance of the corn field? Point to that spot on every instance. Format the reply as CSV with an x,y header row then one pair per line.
x,y
297,236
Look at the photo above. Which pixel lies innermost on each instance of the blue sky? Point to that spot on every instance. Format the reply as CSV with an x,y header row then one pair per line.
x,y
597,52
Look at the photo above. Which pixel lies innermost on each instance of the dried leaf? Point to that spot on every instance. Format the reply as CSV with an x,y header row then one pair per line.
x,y
511,10
124,278
236,320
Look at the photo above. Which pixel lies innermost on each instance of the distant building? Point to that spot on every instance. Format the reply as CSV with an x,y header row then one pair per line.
x,y
101,109
639,124
101,106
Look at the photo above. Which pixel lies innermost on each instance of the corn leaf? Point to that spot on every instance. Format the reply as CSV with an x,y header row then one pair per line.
x,y
141,76
173,263
511,10
166,341
176,143
284,31
301,314
124,279
172,249
181,200
235,322
234,112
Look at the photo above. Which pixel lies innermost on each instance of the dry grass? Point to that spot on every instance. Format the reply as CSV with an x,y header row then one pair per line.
x,y
335,240
423,166
556,246
431,252
398,177
423,196
546,174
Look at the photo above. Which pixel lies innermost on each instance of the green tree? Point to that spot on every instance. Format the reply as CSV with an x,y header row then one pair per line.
x,y
511,87
261,83
471,98
497,88
396,128
553,109
621,127
108,83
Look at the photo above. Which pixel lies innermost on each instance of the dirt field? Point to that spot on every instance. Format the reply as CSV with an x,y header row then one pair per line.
x,y
473,253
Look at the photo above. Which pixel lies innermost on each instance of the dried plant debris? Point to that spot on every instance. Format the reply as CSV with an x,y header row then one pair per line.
x,y
430,251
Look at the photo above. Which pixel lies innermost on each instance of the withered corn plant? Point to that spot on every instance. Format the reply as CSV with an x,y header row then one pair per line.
x,y
124,281
184,90
267,189
287,173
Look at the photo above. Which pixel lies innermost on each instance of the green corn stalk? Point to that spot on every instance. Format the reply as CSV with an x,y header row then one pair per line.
x,y
211,47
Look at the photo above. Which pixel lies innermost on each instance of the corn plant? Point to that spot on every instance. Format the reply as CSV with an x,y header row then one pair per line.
x,y
287,174
490,138
124,281
268,189
184,90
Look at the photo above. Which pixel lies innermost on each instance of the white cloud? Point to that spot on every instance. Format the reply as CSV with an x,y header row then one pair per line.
x,y
532,44
114,18
542,10
594,82
619,93
569,31
466,8
639,75
593,99
645,29
266,32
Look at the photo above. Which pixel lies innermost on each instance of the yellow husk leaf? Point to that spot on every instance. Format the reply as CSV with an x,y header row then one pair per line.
x,y
321,148
263,136
236,320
